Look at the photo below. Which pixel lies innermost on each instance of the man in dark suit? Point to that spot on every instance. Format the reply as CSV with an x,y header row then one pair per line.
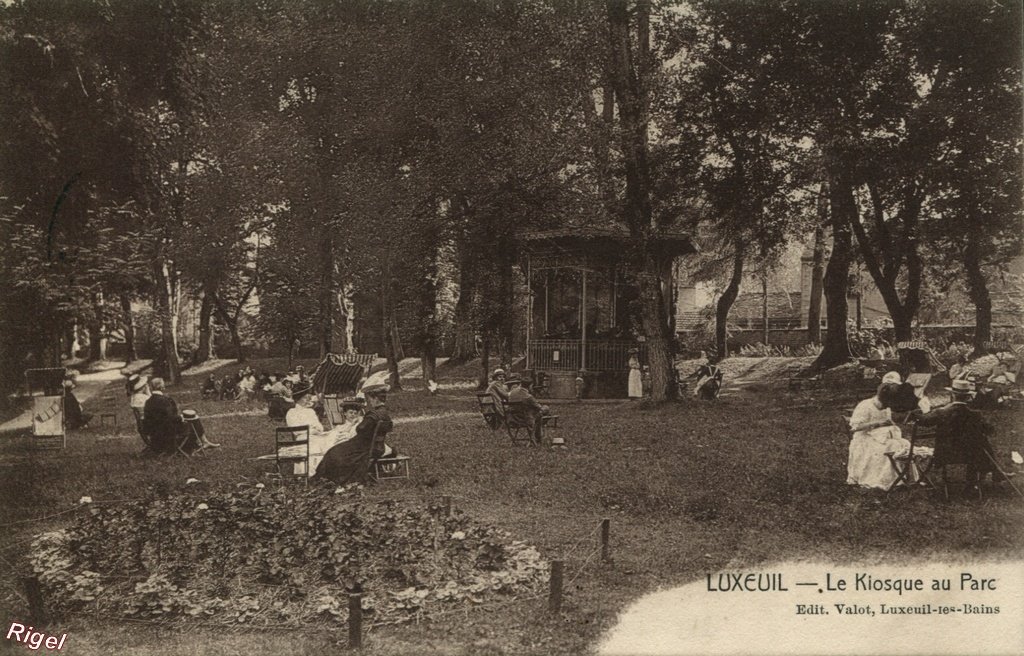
x,y
161,419
962,436
524,409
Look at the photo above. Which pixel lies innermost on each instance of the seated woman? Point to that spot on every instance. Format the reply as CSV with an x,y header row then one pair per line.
x,y
320,441
350,461
874,436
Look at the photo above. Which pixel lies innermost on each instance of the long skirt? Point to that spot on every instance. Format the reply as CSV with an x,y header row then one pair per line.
x,y
869,466
348,462
636,385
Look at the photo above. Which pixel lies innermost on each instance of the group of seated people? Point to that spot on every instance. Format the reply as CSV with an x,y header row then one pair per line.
x,y
248,385
961,435
509,391
992,377
164,429
346,452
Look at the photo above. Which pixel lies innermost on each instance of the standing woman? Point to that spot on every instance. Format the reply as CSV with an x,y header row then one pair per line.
x,y
636,384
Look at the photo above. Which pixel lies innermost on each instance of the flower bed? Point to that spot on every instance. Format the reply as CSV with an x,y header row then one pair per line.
x,y
288,556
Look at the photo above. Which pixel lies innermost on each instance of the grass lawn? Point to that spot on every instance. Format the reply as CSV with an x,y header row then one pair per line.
x,y
690,488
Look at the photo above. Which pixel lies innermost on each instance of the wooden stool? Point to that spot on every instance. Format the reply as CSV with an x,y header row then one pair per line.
x,y
397,467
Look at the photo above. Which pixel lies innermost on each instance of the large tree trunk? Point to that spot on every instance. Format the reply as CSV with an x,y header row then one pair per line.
x,y
392,351
167,294
205,350
326,291
389,333
660,357
842,209
232,323
883,257
629,73
485,363
98,332
817,273
977,289
128,320
464,348
725,302
764,307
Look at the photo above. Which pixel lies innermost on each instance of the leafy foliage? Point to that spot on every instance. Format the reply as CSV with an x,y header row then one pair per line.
x,y
286,555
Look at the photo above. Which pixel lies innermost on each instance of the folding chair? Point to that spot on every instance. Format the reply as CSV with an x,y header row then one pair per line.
x,y
906,464
520,427
489,411
190,441
333,409
388,468
292,464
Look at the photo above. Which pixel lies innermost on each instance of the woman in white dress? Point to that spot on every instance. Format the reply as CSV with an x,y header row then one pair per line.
x,y
635,386
874,436
320,440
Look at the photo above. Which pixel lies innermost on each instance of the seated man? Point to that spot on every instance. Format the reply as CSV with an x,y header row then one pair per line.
x,y
227,387
709,381
209,388
162,422
74,416
350,461
524,409
961,436
498,390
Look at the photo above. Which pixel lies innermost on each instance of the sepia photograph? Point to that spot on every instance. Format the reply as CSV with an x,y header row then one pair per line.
x,y
512,327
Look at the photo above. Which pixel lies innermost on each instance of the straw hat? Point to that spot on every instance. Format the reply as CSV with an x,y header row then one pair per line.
x,y
140,382
961,387
189,415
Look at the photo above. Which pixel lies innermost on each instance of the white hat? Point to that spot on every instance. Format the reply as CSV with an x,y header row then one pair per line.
x,y
140,383
892,377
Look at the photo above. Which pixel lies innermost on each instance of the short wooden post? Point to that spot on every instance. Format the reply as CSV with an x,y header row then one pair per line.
x,y
606,525
446,503
355,621
555,595
36,606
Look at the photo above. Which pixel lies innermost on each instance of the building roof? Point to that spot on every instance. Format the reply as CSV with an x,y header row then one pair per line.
x,y
676,243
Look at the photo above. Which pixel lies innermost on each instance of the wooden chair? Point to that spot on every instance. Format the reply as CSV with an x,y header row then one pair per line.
x,y
333,410
519,426
289,465
489,411
906,464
